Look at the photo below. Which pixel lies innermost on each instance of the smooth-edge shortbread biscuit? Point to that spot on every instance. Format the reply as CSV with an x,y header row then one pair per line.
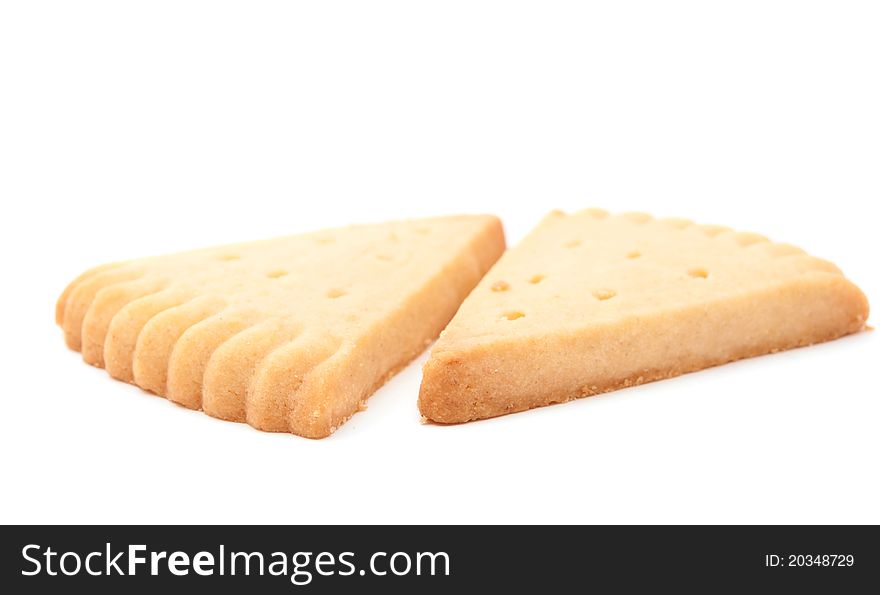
x,y
288,335
593,302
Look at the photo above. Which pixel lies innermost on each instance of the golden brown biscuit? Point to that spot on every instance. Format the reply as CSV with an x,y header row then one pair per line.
x,y
288,335
589,303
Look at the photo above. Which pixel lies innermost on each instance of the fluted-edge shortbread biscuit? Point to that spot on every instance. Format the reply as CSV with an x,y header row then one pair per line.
x,y
288,335
589,303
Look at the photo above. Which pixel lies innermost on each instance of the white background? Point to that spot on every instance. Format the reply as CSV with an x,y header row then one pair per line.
x,y
128,129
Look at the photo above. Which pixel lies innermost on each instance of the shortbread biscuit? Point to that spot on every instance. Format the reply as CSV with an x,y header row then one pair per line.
x,y
589,303
288,335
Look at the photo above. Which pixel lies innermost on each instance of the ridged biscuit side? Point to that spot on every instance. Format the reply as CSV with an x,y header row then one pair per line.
x,y
122,334
159,335
193,351
234,363
287,335
107,303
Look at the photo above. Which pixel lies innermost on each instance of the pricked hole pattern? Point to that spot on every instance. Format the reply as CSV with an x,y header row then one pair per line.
x,y
698,273
638,217
513,315
604,294
535,279
229,257
713,230
573,244
275,274
596,213
335,293
745,239
633,254
500,286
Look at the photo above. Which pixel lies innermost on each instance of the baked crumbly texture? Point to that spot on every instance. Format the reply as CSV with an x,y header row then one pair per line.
x,y
590,302
288,335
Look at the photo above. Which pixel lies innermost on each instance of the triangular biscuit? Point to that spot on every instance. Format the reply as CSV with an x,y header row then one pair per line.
x,y
589,303
289,335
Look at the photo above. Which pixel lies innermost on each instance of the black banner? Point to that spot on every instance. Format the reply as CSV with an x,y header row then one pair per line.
x,y
313,559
